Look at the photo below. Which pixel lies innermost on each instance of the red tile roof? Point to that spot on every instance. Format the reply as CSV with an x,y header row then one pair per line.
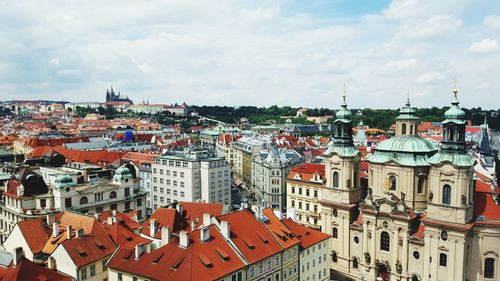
x,y
168,217
96,157
280,231
28,270
307,171
90,248
306,235
209,260
121,218
251,236
122,236
175,221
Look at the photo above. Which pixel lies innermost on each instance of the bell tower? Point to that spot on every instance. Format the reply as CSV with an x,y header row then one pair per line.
x,y
451,185
342,192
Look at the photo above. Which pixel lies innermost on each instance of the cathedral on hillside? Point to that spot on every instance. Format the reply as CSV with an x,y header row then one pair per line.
x,y
426,213
111,96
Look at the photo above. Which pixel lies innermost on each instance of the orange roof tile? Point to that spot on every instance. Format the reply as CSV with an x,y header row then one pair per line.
x,y
306,235
251,236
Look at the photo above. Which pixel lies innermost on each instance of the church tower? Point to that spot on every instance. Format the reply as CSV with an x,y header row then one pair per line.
x,y
342,191
451,186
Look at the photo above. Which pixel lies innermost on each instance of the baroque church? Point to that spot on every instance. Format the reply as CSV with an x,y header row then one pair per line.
x,y
424,214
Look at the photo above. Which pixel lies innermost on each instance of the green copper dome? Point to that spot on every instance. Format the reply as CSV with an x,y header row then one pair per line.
x,y
122,173
454,114
343,115
406,144
63,181
404,150
407,112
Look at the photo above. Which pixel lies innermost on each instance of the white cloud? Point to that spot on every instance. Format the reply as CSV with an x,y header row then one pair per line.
x,y
486,45
260,14
55,61
404,9
430,28
492,21
240,52
429,77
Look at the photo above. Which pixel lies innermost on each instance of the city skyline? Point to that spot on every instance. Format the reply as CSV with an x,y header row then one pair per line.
x,y
253,53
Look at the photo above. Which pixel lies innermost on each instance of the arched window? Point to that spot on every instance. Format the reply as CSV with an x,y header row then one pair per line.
x,y
112,195
335,233
411,130
355,263
446,194
384,241
489,268
334,256
421,184
393,182
335,180
414,277
84,200
403,129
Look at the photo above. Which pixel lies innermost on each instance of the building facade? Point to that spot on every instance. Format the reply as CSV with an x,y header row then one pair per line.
x,y
304,184
270,169
195,174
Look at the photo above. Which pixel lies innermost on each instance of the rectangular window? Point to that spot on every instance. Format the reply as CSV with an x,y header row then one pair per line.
x,y
442,260
251,271
67,202
83,273
92,270
120,277
261,267
139,202
127,205
268,263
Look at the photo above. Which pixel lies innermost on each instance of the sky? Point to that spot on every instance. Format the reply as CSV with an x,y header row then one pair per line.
x,y
297,53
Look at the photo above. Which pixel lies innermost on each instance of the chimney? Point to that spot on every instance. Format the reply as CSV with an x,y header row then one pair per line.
x,y
110,220
139,250
97,216
55,229
152,227
183,239
206,219
291,213
114,213
80,232
51,263
165,235
205,234
51,218
179,208
68,231
225,229
18,254
193,225
278,214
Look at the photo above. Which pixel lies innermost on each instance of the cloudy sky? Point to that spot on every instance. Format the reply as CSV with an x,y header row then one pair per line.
x,y
253,52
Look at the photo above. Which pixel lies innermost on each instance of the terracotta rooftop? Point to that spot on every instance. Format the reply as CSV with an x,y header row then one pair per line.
x,y
306,235
28,270
209,260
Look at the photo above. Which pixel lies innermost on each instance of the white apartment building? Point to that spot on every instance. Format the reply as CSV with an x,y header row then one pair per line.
x,y
195,174
270,169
